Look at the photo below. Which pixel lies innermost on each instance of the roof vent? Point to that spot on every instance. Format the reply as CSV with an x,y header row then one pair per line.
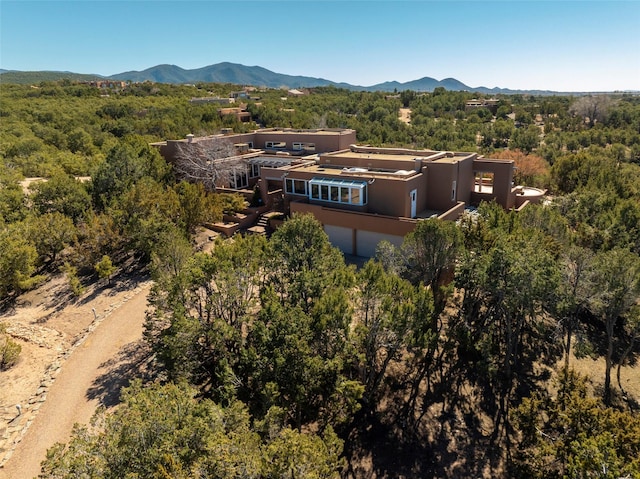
x,y
190,138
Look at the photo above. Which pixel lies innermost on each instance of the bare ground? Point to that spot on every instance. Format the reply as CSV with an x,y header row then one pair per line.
x,y
405,115
76,355
72,361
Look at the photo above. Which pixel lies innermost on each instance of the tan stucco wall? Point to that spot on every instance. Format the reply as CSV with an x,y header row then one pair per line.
x,y
363,221
324,140
502,179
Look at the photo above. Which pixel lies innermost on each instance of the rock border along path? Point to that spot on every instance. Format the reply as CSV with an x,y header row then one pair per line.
x,y
19,426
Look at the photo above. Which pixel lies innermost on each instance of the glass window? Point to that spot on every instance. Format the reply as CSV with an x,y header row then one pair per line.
x,y
239,179
300,187
344,191
355,196
324,192
296,187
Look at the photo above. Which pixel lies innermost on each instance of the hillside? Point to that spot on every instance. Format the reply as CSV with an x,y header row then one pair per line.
x,y
227,72
28,78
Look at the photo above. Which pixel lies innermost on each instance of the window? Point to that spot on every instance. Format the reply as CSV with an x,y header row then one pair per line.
x,y
275,145
299,146
355,196
453,190
348,192
239,179
296,187
254,171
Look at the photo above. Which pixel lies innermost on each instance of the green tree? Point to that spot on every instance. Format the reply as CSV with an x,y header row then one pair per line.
x,y
98,234
126,164
302,264
576,289
431,251
147,212
62,194
50,233
202,311
525,139
163,431
12,198
617,276
571,435
298,362
105,268
386,312
508,283
196,207
71,272
17,263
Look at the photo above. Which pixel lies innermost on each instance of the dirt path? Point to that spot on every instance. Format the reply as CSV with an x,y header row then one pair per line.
x,y
405,115
92,374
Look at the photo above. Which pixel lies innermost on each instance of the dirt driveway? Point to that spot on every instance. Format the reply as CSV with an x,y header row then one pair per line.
x,y
92,348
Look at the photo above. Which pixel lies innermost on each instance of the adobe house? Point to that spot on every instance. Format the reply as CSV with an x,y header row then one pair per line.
x,y
363,195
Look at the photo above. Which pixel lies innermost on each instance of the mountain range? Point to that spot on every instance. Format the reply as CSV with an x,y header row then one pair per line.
x,y
250,75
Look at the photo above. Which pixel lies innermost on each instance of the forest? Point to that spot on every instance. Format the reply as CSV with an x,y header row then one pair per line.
x,y
452,355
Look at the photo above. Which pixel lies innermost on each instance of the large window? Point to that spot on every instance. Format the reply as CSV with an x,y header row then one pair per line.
x,y
348,192
296,187
239,179
275,145
298,146
254,170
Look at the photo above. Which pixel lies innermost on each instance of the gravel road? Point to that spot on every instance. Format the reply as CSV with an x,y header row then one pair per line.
x,y
91,376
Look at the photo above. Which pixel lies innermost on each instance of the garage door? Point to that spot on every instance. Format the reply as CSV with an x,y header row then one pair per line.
x,y
340,237
367,242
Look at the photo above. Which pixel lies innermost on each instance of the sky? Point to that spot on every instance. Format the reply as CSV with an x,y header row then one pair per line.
x,y
572,45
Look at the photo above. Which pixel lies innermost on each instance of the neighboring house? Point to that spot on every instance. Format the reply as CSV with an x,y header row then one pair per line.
x,y
363,195
211,99
240,113
490,104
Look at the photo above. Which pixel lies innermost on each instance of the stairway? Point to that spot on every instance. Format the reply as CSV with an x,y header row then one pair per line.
x,y
262,225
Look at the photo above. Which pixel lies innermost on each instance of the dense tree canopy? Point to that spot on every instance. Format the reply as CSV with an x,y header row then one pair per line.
x,y
443,347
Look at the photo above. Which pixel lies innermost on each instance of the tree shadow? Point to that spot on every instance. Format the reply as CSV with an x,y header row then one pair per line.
x,y
391,453
125,281
133,361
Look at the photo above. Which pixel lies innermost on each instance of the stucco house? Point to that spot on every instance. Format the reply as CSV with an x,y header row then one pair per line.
x,y
361,194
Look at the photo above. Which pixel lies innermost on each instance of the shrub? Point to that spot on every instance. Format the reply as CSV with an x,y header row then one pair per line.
x,y
9,349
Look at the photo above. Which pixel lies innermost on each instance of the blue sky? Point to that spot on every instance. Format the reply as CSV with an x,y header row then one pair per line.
x,y
556,45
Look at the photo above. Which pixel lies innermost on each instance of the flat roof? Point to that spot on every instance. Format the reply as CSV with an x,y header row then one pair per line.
x,y
335,171
391,154
373,156
272,161
296,131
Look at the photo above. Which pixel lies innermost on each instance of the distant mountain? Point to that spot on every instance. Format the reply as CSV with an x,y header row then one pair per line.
x,y
250,75
224,73
28,78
